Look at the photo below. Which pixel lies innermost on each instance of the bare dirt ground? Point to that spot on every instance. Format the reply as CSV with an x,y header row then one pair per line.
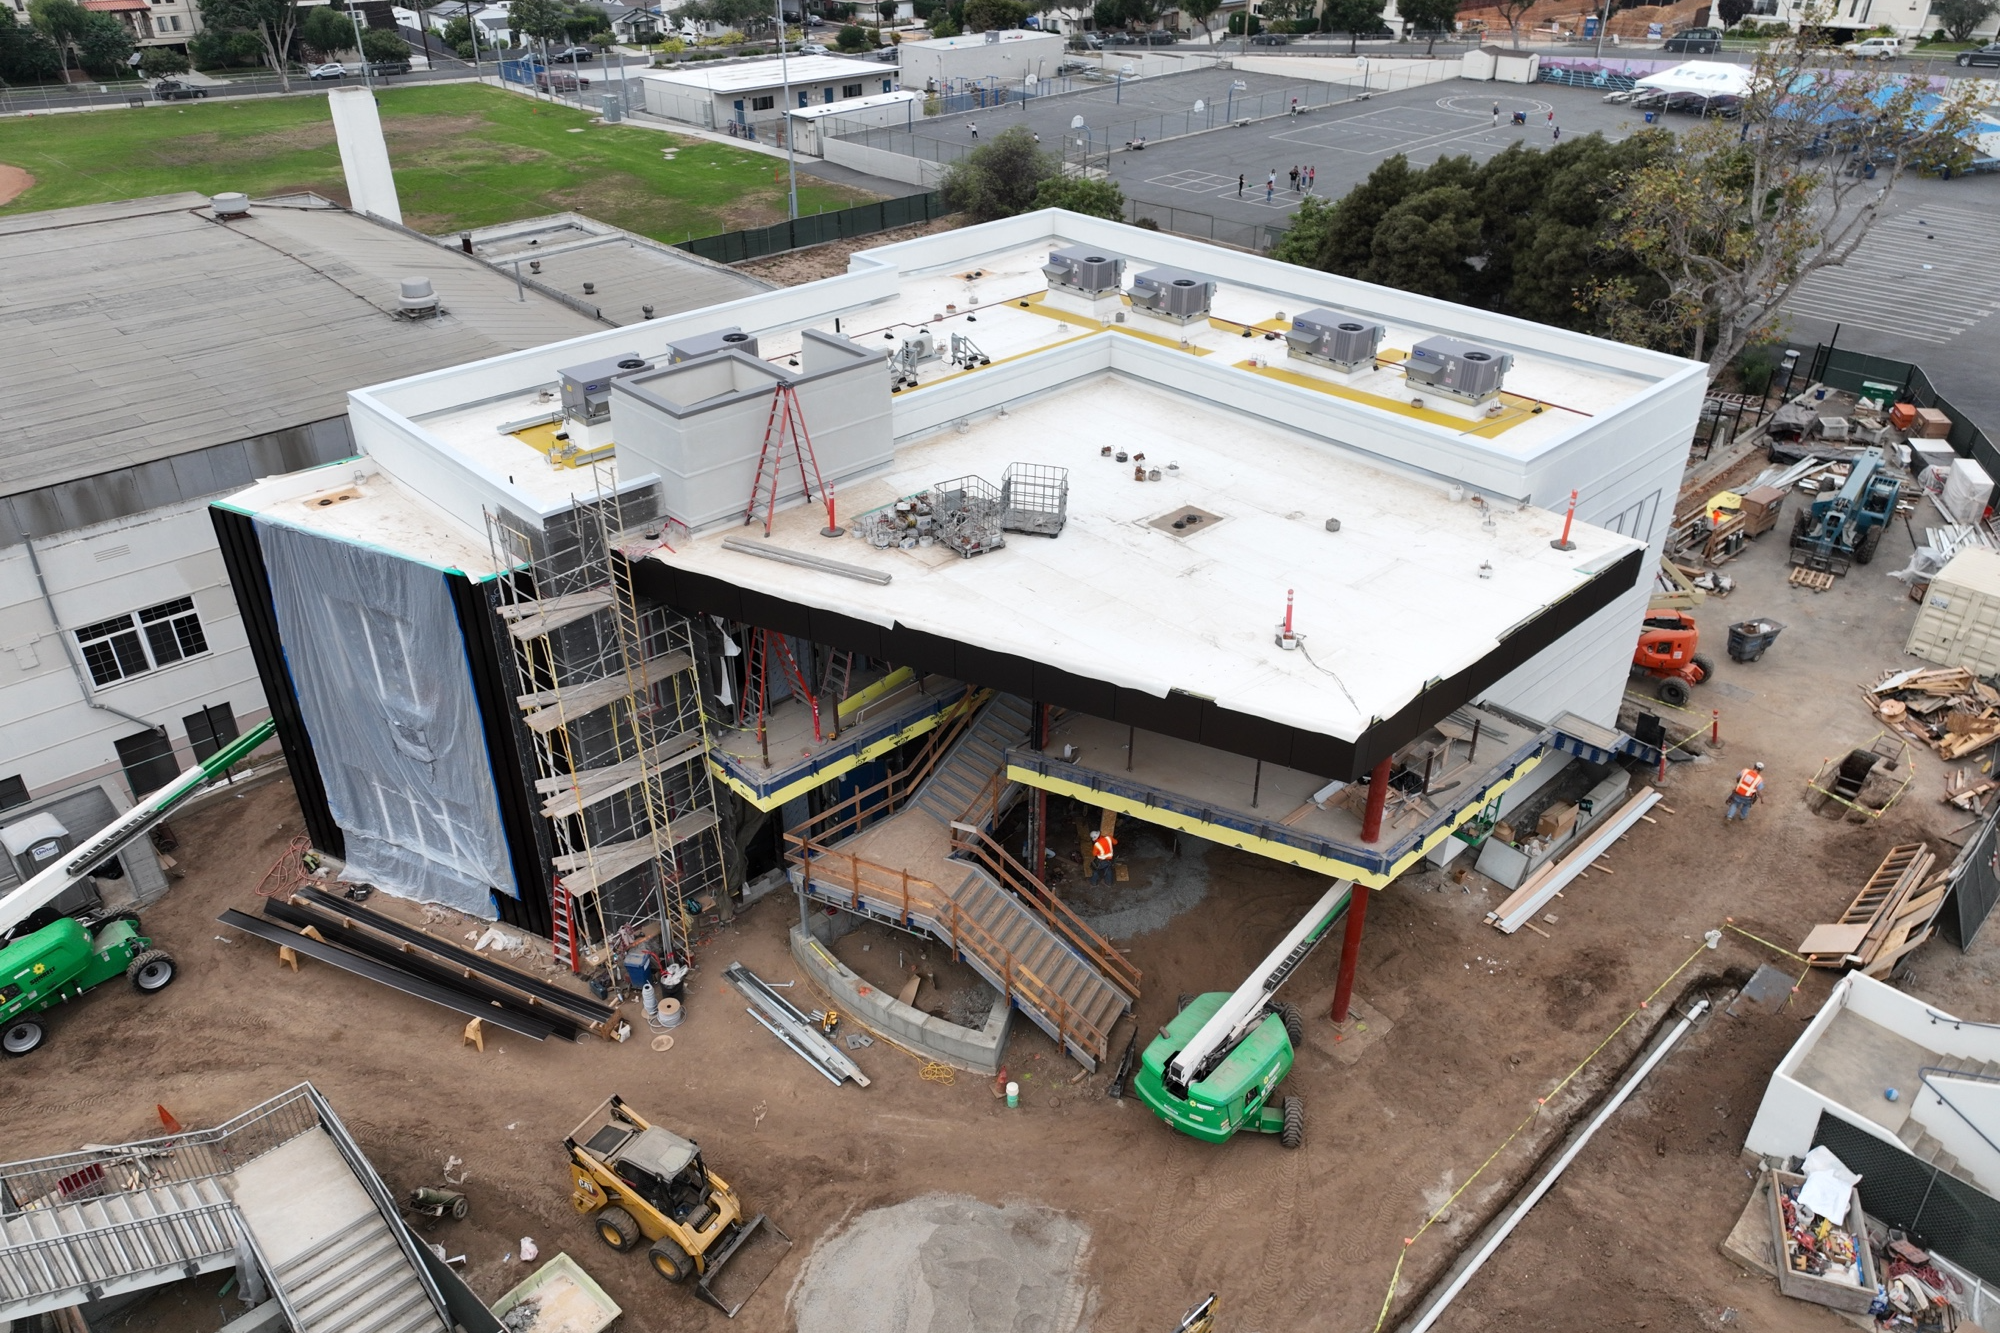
x,y
1483,1026
14,183
830,260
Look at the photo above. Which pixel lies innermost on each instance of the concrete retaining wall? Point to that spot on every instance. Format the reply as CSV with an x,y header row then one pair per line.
x,y
975,1049
882,162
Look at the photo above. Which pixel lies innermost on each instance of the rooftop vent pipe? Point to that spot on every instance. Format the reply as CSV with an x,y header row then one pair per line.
x,y
231,205
418,299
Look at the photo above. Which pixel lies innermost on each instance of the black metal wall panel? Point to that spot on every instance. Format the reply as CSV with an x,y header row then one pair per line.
x,y
1940,1211
243,557
1185,716
1975,885
493,685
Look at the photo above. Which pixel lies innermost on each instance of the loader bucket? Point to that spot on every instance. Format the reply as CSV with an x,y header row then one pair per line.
x,y
739,1267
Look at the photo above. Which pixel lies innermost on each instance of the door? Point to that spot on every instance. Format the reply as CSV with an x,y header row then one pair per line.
x,y
739,111
210,729
148,760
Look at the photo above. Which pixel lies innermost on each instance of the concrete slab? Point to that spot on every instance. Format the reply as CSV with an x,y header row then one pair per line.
x,y
297,1195
1857,1059
1365,1026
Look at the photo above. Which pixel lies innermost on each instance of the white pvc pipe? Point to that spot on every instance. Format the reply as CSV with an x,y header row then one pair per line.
x,y
1547,1182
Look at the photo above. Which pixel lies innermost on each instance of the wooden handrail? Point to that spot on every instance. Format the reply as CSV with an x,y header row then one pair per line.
x,y
897,787
1040,897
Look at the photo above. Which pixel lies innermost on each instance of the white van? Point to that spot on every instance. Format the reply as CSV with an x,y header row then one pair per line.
x,y
1877,48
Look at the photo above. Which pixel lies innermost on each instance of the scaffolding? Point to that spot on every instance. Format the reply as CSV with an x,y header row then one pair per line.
x,y
611,702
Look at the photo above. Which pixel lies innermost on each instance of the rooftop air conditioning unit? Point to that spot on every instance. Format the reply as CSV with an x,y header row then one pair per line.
x,y
1172,294
586,389
1081,269
1456,369
706,344
1336,339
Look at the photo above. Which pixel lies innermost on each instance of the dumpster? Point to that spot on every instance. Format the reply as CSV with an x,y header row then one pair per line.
x,y
1749,638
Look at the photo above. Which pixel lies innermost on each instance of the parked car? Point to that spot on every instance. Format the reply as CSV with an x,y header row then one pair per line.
x,y
1695,41
1272,39
1988,54
336,70
560,81
380,68
1162,38
173,90
1092,41
1877,48
571,55
1074,67
812,49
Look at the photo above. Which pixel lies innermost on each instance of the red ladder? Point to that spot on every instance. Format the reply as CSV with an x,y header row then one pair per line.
x,y
756,687
787,426
563,935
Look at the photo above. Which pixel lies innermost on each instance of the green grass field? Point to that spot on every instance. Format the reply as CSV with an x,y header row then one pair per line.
x,y
465,156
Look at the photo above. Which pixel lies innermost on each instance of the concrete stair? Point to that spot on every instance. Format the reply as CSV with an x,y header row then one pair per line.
x,y
122,1241
357,1280
975,759
1927,1149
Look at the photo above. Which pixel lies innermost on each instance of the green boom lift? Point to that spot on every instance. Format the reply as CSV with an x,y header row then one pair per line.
x,y
1211,1071
62,960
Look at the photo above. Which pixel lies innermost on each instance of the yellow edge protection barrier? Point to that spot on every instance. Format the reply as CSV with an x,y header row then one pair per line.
x,y
1518,409
542,439
1396,1275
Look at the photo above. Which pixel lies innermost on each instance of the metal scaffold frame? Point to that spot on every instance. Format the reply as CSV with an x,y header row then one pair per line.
x,y
613,706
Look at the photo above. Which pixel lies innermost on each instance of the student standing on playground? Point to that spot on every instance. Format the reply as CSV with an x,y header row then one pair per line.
x,y
1496,115
1295,180
1312,178
1270,186
1239,185
975,130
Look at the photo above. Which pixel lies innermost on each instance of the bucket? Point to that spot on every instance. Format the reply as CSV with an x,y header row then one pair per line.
x,y
1013,1095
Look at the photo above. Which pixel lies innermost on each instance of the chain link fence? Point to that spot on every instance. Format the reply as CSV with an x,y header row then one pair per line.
x,y
1859,373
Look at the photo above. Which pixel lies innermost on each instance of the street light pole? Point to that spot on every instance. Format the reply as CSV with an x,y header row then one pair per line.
x,y
785,78
354,15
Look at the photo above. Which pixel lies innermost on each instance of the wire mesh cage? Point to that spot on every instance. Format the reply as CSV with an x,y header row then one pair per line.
x,y
968,515
1034,498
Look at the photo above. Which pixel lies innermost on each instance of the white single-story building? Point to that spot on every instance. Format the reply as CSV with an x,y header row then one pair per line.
x,y
902,109
755,89
1008,56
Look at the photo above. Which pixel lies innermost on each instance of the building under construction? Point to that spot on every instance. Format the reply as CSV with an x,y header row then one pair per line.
x,y
842,580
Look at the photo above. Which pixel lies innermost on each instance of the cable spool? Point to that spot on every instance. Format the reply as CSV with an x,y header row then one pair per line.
x,y
670,1013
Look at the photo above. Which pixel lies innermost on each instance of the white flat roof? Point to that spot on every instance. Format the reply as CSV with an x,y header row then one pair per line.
x,y
355,502
853,104
1412,588
765,73
964,40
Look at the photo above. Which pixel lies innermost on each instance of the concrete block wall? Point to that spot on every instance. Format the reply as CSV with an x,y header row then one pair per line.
x,y
977,1050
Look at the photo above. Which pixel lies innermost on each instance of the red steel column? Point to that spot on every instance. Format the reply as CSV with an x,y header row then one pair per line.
x,y
1350,951
1378,792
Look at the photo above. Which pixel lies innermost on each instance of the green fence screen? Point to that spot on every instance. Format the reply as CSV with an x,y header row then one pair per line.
x,y
817,228
1859,373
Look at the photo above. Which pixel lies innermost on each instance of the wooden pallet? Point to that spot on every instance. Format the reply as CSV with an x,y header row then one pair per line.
x,y
1818,580
1863,929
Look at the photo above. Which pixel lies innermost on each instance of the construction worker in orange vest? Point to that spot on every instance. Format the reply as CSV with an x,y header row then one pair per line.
x,y
1748,784
1101,849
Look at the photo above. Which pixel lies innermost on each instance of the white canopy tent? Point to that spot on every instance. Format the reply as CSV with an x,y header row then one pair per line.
x,y
1709,79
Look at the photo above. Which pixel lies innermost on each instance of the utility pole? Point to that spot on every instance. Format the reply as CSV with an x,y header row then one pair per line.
x,y
367,77
785,121
1603,22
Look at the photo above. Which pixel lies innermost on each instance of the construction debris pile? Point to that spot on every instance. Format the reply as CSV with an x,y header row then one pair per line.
x,y
1816,1245
1947,708
1915,1294
1893,914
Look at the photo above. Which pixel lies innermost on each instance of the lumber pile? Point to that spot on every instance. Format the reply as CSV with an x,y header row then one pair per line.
x,y
1947,708
1895,912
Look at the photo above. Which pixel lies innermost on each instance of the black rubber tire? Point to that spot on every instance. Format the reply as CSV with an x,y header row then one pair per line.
x,y
1295,1024
1294,1132
1864,550
1706,667
670,1261
152,971
616,1228
459,1208
1183,1001
23,1036
1674,691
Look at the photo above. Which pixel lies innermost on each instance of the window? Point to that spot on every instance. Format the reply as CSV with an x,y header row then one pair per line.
x,y
117,648
13,792
210,729
763,103
850,90
148,760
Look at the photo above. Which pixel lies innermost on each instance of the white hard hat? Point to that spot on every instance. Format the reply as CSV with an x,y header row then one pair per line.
x,y
1760,765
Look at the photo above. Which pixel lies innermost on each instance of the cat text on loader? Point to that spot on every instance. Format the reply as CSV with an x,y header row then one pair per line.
x,y
641,1183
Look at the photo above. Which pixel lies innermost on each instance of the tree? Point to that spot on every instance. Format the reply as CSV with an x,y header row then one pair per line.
x,y
1000,177
329,31
1305,240
1353,17
543,19
380,46
273,22
1511,13
104,45
1350,233
1200,11
587,23
1734,217
61,22
1082,194
993,15
1426,243
457,31
26,54
156,62
853,37
1961,17
1731,12
1436,16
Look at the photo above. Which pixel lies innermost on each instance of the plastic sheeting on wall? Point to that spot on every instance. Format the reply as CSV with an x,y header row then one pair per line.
x,y
374,651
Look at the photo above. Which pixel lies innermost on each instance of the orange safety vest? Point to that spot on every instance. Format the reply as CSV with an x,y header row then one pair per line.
x,y
1101,848
1749,783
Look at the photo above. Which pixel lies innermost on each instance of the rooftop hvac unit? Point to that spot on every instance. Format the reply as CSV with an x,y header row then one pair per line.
x,y
1081,269
586,389
705,344
1172,294
1462,370
1336,339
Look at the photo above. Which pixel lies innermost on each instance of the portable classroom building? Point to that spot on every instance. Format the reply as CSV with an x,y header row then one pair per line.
x,y
1009,57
